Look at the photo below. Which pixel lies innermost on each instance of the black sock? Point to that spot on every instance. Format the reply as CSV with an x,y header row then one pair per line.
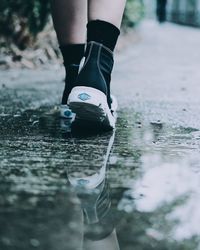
x,y
72,53
102,32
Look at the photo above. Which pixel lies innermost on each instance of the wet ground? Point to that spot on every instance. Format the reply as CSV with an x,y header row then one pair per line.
x,y
143,186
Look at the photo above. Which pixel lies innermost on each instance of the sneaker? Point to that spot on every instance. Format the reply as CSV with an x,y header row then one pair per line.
x,y
90,99
87,176
88,179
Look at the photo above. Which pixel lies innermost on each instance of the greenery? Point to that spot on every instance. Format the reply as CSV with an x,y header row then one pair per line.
x,y
134,12
22,20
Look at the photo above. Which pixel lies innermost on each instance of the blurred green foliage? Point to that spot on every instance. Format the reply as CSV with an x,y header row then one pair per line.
x,y
134,12
22,20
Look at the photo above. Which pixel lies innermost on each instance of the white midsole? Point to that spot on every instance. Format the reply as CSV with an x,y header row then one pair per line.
x,y
93,97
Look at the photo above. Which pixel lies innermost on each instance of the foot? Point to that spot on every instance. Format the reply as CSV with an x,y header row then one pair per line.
x,y
90,98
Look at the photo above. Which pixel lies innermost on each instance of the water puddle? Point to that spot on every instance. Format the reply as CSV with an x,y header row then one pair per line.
x,y
65,188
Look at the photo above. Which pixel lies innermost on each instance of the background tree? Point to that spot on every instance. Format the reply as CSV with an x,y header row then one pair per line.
x,y
22,20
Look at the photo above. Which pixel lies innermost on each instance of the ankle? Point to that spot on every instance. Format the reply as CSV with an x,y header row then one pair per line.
x,y
70,79
103,32
72,53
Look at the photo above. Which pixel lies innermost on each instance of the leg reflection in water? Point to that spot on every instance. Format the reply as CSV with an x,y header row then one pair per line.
x,y
99,232
92,189
86,162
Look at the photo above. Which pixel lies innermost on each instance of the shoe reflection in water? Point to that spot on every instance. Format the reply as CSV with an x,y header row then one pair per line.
x,y
51,123
88,152
92,189
99,232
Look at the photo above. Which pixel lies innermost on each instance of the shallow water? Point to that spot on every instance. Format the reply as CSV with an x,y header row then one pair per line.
x,y
147,196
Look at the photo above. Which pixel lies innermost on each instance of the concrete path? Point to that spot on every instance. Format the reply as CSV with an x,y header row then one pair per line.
x,y
153,177
162,70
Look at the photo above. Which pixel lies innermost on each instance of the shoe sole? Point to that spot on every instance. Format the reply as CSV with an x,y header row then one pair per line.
x,y
91,105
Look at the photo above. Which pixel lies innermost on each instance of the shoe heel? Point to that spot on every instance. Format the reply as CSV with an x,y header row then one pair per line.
x,y
90,104
87,95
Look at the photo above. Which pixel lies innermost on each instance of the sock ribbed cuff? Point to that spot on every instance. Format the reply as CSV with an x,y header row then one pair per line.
x,y
103,32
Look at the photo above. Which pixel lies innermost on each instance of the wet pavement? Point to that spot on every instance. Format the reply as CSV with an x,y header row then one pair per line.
x,y
134,188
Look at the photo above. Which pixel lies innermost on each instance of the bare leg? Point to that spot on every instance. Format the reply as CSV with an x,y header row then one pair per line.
x,y
70,18
107,10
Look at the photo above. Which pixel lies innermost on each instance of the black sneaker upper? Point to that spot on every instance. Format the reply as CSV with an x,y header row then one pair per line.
x,y
96,71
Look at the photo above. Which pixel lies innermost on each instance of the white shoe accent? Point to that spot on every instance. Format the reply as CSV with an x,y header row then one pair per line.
x,y
81,64
90,104
65,112
114,104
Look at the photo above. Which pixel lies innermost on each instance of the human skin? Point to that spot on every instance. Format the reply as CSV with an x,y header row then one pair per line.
x,y
71,16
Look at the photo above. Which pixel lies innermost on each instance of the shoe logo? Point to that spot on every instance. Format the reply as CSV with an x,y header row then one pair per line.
x,y
84,96
68,113
82,182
